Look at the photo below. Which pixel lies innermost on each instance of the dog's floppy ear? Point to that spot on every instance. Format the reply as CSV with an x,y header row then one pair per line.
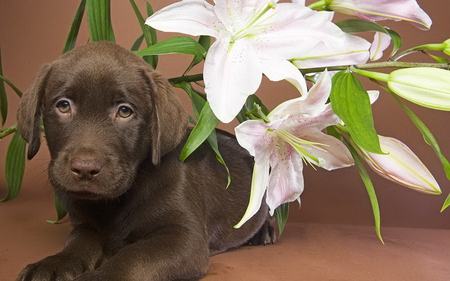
x,y
169,118
30,111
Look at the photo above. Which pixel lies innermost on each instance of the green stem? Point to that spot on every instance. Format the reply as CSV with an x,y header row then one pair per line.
x,y
373,75
421,48
8,131
186,78
374,65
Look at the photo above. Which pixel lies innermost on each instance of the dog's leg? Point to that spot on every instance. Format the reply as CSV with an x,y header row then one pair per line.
x,y
171,253
82,252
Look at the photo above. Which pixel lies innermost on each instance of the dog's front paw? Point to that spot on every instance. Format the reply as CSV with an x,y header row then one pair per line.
x,y
53,268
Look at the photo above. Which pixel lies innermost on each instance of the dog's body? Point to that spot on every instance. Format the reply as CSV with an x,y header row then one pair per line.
x,y
115,131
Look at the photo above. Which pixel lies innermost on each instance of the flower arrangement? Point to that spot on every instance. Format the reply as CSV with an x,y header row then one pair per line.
x,y
329,124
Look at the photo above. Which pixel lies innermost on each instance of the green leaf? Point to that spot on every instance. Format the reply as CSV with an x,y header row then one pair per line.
x,y
75,28
198,103
352,26
396,41
14,166
369,188
207,122
281,215
15,89
351,103
426,133
175,45
148,32
446,203
61,212
205,42
3,98
137,43
99,20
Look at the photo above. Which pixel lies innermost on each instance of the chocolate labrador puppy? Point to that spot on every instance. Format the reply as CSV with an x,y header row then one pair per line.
x,y
115,130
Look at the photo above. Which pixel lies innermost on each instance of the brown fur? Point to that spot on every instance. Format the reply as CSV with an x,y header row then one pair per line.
x,y
138,213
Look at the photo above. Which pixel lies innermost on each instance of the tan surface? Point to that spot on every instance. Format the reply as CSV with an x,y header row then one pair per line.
x,y
305,251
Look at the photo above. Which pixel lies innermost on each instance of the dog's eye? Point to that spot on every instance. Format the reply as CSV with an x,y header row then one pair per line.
x,y
63,106
124,112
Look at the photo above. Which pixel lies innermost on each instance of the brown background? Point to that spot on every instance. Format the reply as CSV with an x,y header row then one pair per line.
x,y
33,32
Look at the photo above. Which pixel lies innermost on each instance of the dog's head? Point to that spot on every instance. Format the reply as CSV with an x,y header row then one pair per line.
x,y
104,111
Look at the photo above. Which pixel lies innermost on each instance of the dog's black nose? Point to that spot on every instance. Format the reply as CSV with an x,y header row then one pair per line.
x,y
85,168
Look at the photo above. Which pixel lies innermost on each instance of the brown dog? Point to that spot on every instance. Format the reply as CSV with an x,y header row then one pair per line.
x,y
115,130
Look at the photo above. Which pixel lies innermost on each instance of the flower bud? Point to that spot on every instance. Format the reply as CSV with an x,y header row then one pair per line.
x,y
402,166
425,86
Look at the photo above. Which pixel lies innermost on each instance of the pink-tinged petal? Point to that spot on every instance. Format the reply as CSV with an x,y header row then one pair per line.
x,y
407,10
290,30
277,70
380,43
318,95
260,180
402,166
193,17
332,153
309,105
254,136
232,72
286,178
351,50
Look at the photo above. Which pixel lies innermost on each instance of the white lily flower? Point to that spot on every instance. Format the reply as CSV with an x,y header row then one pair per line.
x,y
292,135
402,166
253,37
407,10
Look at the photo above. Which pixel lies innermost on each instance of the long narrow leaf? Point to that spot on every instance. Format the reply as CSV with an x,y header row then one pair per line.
x,y
14,166
61,212
99,20
281,216
137,43
147,32
15,89
3,99
370,190
446,203
75,28
175,45
207,122
428,137
198,104
351,103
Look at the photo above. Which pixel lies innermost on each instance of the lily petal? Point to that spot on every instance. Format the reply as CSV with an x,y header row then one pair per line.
x,y
332,153
232,72
286,182
380,43
352,50
255,136
407,10
277,70
193,17
260,180
293,29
